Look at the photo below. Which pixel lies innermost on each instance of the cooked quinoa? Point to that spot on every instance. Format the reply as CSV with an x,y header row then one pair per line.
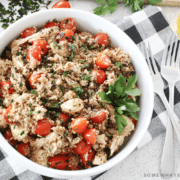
x,y
43,94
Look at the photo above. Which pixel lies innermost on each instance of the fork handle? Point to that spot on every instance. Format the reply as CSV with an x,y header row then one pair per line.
x,y
167,159
172,115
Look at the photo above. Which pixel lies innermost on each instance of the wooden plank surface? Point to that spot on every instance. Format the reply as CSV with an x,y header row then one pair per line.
x,y
168,2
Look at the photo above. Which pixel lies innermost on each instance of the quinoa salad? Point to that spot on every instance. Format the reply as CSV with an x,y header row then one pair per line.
x,y
67,98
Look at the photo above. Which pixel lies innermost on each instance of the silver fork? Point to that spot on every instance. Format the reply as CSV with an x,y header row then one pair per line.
x,y
171,73
158,85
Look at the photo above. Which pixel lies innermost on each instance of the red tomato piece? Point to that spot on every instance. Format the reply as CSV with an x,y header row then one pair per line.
x,y
90,135
28,32
23,148
79,124
100,76
87,159
59,162
103,61
66,34
61,4
34,53
66,152
8,135
8,110
64,118
7,86
68,23
42,44
81,148
33,78
50,24
134,121
99,118
43,127
102,38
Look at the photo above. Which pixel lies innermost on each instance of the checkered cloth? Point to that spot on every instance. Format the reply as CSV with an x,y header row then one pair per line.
x,y
148,25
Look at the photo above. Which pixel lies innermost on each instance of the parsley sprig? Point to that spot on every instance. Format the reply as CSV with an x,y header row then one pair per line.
x,y
16,10
106,6
118,96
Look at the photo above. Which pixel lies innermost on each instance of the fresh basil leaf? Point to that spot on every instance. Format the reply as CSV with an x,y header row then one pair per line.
x,y
134,92
104,96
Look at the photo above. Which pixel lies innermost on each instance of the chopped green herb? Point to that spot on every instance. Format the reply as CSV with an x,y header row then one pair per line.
x,y
79,91
20,84
21,133
65,73
83,66
118,64
62,88
18,54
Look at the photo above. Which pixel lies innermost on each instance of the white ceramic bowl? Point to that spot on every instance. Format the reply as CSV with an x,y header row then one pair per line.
x,y
94,24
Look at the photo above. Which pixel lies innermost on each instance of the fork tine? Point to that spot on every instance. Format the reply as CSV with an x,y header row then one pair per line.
x,y
153,60
170,51
174,51
147,57
165,51
178,56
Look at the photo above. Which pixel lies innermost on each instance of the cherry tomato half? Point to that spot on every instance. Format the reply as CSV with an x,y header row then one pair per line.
x,y
68,23
79,124
8,110
90,135
34,53
42,44
103,61
50,24
8,135
99,118
59,162
33,78
66,34
28,32
43,127
61,4
87,159
6,85
23,148
102,38
100,76
64,117
81,148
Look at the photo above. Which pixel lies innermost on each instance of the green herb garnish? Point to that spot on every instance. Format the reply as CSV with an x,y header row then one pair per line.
x,y
79,91
118,96
111,5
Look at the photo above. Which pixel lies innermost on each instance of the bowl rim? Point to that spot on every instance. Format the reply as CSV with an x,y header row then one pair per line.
x,y
113,161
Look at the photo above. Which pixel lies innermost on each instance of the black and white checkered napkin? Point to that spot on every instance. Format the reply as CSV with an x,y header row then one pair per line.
x,y
148,25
